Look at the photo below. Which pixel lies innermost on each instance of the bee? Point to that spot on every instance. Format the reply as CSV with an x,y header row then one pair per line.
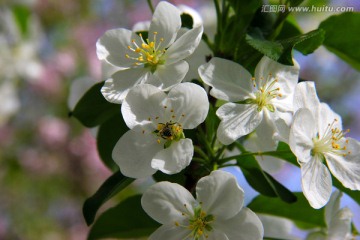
x,y
166,130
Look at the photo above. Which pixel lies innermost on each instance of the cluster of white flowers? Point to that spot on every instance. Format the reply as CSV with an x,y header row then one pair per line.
x,y
279,109
157,108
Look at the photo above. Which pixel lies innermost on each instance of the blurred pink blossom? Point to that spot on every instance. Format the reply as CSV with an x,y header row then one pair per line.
x,y
53,131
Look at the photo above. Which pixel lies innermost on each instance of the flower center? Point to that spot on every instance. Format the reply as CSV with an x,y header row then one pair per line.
x,y
170,131
198,224
148,53
330,141
265,93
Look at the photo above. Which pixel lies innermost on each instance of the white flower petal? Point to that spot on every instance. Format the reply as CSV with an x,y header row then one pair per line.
x,y
134,152
305,96
166,22
141,26
190,104
346,169
167,76
326,116
170,232
164,202
220,195
195,60
215,234
141,106
113,46
246,225
301,133
10,102
340,225
197,19
237,120
230,81
276,227
116,88
267,131
174,158
287,76
282,132
333,206
316,183
184,46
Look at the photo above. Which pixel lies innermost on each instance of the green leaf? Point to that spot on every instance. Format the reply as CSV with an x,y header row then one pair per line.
x,y
235,26
289,29
271,49
108,135
281,50
21,16
342,37
353,194
294,3
93,109
309,45
299,211
261,181
114,184
126,220
305,43
186,21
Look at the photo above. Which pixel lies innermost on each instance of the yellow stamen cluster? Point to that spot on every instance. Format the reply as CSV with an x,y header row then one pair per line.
x,y
148,53
330,141
199,223
169,131
266,93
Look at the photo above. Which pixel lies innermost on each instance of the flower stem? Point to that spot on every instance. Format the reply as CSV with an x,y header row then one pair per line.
x,y
270,153
199,151
150,6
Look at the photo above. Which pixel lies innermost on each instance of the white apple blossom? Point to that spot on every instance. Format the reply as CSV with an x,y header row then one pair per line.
x,y
156,140
216,214
263,102
158,60
19,54
338,221
316,136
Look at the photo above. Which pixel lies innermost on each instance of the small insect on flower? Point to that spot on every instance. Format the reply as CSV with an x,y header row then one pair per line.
x,y
156,139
